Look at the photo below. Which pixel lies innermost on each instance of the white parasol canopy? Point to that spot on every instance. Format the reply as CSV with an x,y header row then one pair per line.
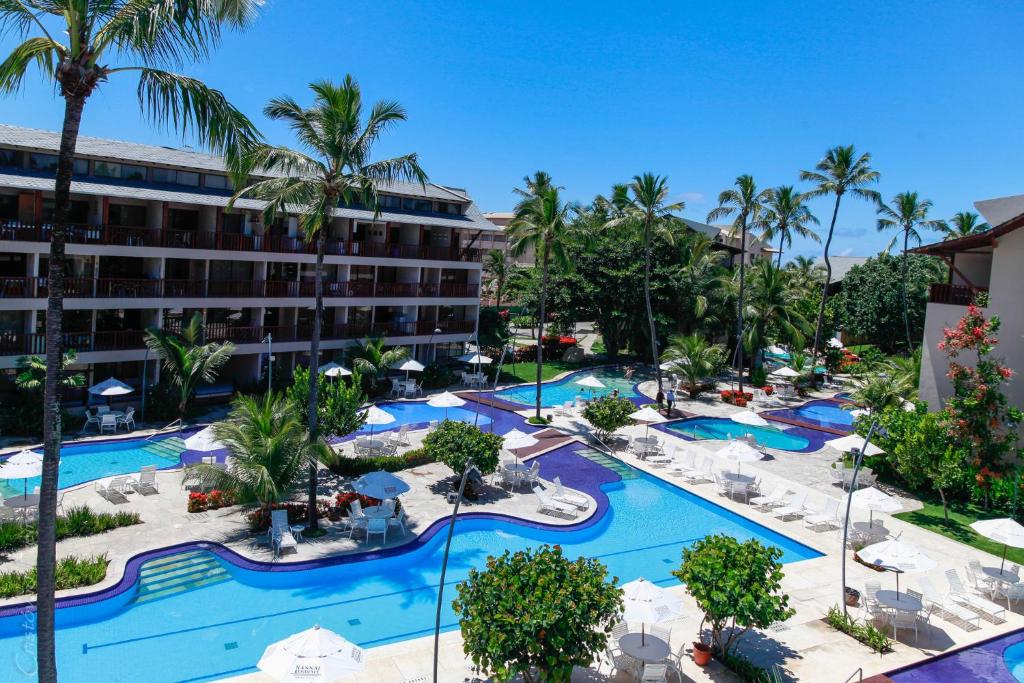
x,y
749,417
22,465
315,655
376,416
872,499
1006,531
647,415
739,452
860,412
515,439
785,371
110,387
332,369
591,382
411,365
649,603
835,343
475,359
897,555
776,350
446,400
203,440
380,485
852,442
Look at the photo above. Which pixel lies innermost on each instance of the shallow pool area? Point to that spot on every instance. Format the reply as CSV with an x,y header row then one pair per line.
x,y
997,660
559,392
700,428
819,413
419,414
202,612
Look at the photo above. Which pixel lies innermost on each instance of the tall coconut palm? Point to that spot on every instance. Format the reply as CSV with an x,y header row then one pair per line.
x,y
908,214
701,276
841,171
334,166
541,222
77,45
772,312
498,270
786,215
747,203
644,204
962,224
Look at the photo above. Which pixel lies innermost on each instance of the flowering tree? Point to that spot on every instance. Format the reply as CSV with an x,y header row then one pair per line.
x,y
977,416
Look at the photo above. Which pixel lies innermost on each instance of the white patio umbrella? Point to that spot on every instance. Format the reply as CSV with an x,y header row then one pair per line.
x,y
897,556
784,371
872,499
515,439
647,415
740,452
776,350
380,485
315,655
109,388
1004,530
203,440
333,370
592,383
835,343
852,442
749,418
860,412
674,363
411,365
475,359
446,400
648,603
23,465
376,416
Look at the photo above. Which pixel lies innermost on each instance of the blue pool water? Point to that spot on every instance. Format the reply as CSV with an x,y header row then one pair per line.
x,y
84,462
996,660
419,413
1013,656
724,428
220,630
825,414
557,393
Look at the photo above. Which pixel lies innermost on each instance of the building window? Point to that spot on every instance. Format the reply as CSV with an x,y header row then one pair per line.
x,y
11,158
188,178
216,182
130,172
449,208
170,176
42,162
127,215
164,175
106,169
388,201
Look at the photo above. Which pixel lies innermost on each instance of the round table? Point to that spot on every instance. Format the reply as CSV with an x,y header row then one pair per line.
x,y
738,478
517,467
1002,575
646,648
370,444
904,602
378,512
22,502
869,529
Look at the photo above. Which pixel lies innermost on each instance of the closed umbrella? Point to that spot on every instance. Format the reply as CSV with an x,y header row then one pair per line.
x,y
110,388
380,485
853,442
376,416
23,465
647,415
592,383
740,452
897,556
872,499
315,655
648,603
1005,531
333,370
446,400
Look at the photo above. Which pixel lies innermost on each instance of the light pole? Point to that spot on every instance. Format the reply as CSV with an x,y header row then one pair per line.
x,y
471,472
430,340
858,461
270,361
142,410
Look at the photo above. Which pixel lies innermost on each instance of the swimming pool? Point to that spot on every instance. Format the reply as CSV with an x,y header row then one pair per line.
x,y
221,628
724,428
84,462
827,413
419,413
996,660
557,393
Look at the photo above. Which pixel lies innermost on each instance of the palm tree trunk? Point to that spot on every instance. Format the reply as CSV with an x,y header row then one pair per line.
x,y
903,291
647,302
824,289
540,324
782,239
739,306
312,521
46,553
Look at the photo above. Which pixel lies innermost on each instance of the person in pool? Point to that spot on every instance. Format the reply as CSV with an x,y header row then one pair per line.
x,y
628,374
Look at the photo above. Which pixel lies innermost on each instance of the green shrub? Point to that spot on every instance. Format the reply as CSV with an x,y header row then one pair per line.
x,y
865,633
608,414
748,671
14,535
454,443
355,467
72,572
437,376
759,376
79,520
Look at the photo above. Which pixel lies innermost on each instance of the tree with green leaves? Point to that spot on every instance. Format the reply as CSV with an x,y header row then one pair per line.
x,y
186,359
77,45
962,224
805,272
747,203
908,214
339,401
785,215
498,269
32,372
608,413
335,166
536,614
702,281
373,359
456,443
694,359
541,221
646,207
737,585
840,172
772,312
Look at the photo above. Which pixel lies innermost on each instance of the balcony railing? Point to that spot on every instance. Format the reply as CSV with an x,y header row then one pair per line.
x,y
957,295
135,288
221,241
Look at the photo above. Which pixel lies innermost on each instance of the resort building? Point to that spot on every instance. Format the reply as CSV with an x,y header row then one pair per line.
x,y
152,243
983,268
499,240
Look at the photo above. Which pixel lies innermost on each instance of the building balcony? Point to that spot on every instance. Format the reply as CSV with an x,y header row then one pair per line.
x,y
220,241
136,288
18,344
956,295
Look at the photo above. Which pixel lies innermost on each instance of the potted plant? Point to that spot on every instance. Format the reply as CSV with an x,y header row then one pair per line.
x,y
701,653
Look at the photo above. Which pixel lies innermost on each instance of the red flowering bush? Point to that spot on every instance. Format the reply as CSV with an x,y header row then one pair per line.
x,y
736,397
220,499
197,502
259,520
343,500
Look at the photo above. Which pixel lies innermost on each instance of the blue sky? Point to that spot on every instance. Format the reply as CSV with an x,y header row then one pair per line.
x,y
596,92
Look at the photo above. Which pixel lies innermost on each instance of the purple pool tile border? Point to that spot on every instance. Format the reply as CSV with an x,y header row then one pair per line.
x,y
574,470
981,662
816,438
791,417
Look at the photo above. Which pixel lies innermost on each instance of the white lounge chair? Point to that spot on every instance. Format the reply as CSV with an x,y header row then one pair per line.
x,y
546,505
702,474
113,490
401,437
565,409
564,496
949,609
146,481
827,516
280,533
959,593
794,508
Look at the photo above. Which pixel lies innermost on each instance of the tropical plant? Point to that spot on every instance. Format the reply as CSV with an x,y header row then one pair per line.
x,y
962,224
694,360
772,311
866,633
456,443
536,614
805,272
96,35
268,449
737,585
608,413
785,215
645,207
498,269
879,388
747,203
907,370
372,359
908,214
32,372
541,222
841,171
70,572
186,359
334,167
702,278
339,402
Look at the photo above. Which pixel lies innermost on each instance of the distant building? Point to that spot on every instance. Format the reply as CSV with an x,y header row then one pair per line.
x,y
499,240
729,236
841,266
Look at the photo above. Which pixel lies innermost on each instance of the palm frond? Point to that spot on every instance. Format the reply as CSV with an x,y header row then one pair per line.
x,y
42,51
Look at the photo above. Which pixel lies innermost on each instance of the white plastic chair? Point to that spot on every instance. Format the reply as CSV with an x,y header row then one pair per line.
x,y
654,673
108,421
377,525
280,532
128,420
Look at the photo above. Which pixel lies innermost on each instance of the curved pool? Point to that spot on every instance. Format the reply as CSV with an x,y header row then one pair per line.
x,y
559,392
699,428
826,412
419,414
218,624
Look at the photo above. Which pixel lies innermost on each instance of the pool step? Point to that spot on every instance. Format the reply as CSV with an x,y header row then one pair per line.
x,y
178,573
615,465
169,448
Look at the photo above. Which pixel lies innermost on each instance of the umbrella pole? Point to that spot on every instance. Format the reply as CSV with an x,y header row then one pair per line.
x,y
643,635
1003,561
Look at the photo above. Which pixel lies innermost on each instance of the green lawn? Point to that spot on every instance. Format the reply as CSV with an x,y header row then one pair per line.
x,y
961,515
527,372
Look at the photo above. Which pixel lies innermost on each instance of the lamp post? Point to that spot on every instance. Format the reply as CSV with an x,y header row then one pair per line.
x,y
430,340
142,410
858,461
471,472
270,361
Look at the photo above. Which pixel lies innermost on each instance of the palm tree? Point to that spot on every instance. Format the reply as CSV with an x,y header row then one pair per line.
x,y
839,172
94,32
268,448
962,224
908,214
748,204
372,359
642,204
541,221
772,311
805,272
694,360
880,389
335,167
187,359
32,372
498,269
785,215
907,371
701,274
